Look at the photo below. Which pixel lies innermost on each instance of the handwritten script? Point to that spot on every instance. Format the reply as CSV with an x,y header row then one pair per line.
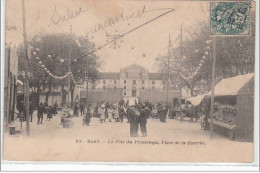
x,y
122,17
58,18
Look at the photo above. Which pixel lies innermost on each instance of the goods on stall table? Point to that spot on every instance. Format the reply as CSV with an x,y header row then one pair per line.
x,y
225,113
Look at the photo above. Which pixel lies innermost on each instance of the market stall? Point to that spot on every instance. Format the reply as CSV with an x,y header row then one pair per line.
x,y
234,107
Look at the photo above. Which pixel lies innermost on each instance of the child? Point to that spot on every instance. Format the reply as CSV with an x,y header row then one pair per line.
x,y
49,113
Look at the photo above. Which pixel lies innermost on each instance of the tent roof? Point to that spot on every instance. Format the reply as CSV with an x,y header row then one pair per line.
x,y
195,101
231,86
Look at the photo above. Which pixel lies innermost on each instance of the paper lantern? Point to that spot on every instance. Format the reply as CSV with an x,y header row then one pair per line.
x,y
184,57
37,57
62,60
206,53
208,47
200,64
45,68
196,51
37,49
34,53
49,56
204,57
40,62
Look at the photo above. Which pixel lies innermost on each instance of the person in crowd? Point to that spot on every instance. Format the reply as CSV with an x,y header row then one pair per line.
x,y
162,113
204,122
88,116
110,113
121,113
49,113
127,103
134,120
128,110
82,108
45,105
96,110
31,109
76,110
116,114
102,114
106,109
143,120
40,113
21,109
55,106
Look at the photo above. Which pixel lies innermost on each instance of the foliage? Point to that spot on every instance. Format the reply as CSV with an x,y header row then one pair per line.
x,y
51,49
234,56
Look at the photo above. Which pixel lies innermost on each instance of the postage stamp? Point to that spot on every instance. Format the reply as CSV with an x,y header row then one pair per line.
x,y
230,18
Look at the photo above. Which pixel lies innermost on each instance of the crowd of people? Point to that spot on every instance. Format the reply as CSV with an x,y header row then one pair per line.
x,y
135,114
42,109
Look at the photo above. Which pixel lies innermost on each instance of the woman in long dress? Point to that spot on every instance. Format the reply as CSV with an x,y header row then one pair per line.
x,y
116,114
102,114
110,114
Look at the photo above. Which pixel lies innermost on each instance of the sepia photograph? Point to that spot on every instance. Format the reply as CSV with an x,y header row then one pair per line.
x,y
129,81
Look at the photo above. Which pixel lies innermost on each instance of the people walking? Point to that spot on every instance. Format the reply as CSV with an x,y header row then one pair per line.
x,y
134,121
143,120
121,113
49,113
31,110
76,110
110,113
116,113
88,116
40,113
82,108
55,108
102,114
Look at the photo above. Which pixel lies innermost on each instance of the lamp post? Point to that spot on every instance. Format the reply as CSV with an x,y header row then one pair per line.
x,y
213,63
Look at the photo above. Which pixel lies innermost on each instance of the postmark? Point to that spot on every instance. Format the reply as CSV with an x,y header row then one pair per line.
x,y
230,18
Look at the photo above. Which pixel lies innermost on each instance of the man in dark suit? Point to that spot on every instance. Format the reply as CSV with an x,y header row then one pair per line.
x,y
134,121
144,113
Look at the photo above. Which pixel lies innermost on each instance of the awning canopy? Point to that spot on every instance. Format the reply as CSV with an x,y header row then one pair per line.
x,y
195,101
231,86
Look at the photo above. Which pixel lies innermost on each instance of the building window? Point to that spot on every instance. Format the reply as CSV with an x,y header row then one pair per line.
x,y
124,81
142,81
104,87
143,88
104,81
153,82
124,87
124,93
114,81
134,82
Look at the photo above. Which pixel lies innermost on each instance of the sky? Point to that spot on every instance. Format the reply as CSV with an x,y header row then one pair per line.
x,y
141,46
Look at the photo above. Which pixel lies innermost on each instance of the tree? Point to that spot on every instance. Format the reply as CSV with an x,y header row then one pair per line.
x,y
52,51
234,56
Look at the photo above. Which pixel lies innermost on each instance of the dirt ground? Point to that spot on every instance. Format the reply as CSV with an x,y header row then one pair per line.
x,y
111,142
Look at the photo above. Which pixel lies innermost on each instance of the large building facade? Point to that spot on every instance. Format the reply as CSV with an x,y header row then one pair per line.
x,y
132,79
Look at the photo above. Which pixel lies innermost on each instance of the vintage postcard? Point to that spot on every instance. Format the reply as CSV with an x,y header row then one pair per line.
x,y
129,81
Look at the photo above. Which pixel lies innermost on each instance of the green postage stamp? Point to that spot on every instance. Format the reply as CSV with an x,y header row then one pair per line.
x,y
230,18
